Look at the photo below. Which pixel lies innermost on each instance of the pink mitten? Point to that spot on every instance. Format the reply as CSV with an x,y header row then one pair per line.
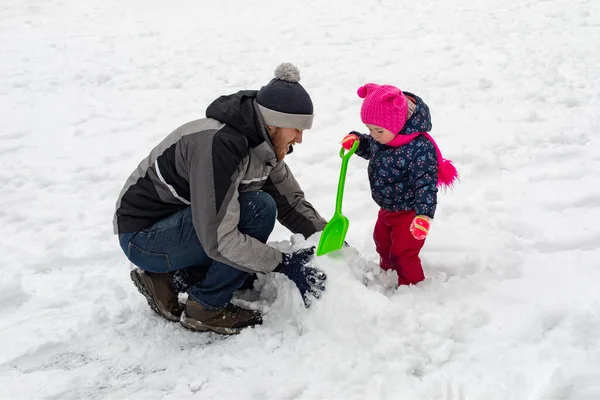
x,y
419,227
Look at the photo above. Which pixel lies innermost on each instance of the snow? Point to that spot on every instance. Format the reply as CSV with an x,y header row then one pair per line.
x,y
510,307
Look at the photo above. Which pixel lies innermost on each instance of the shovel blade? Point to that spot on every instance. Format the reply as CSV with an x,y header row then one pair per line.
x,y
333,235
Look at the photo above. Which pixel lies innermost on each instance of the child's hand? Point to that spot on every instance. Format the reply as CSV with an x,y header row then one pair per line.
x,y
349,140
419,227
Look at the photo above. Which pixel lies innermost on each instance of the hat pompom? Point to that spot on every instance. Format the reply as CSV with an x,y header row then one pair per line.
x,y
392,93
362,92
398,102
365,89
287,72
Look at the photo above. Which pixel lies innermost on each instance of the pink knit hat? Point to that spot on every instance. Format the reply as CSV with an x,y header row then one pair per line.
x,y
384,106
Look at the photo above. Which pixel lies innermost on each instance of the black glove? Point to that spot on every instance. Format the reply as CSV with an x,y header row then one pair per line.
x,y
309,280
185,278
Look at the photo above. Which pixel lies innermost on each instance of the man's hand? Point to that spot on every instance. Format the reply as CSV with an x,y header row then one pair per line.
x,y
308,280
348,141
419,227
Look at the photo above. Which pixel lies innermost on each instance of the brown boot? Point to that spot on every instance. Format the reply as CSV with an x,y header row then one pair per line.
x,y
159,292
227,321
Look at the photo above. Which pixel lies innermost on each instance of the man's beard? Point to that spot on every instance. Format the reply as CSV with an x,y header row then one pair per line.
x,y
282,147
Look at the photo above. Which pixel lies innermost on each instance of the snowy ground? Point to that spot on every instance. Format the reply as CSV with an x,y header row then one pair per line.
x,y
510,309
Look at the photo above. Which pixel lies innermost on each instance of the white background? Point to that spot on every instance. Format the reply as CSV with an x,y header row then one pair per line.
x,y
510,308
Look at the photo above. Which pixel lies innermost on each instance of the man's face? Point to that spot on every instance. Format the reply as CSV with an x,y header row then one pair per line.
x,y
284,139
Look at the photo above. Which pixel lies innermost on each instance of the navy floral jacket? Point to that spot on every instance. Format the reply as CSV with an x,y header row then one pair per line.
x,y
404,178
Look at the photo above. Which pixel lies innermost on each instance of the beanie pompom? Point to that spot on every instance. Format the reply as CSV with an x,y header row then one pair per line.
x,y
392,93
399,102
287,72
364,90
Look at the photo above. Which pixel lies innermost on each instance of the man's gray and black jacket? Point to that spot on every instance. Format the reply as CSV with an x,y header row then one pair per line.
x,y
205,164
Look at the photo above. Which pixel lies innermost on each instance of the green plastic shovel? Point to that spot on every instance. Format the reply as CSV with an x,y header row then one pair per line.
x,y
334,233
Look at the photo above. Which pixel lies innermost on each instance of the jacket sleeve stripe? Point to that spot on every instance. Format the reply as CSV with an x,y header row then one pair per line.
x,y
248,181
171,188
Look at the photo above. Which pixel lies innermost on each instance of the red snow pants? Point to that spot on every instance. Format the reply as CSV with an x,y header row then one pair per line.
x,y
397,248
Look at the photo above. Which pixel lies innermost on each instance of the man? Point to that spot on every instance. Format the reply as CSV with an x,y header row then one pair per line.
x,y
204,202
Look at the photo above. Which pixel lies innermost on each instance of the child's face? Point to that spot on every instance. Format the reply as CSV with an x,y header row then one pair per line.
x,y
380,134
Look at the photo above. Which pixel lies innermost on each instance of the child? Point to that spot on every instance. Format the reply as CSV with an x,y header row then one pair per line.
x,y
405,168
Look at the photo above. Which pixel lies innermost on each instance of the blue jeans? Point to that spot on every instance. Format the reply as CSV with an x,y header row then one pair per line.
x,y
172,244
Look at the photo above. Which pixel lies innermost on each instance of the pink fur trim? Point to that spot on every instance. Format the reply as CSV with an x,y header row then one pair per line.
x,y
447,174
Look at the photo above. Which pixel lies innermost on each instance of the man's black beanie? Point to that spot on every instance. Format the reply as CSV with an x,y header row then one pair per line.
x,y
283,102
